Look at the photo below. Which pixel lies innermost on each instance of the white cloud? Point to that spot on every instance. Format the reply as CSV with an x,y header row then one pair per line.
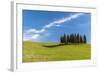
x,y
60,21
35,36
56,23
32,37
35,31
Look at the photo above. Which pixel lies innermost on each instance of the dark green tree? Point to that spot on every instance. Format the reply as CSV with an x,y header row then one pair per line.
x,y
85,40
81,41
78,38
75,38
65,39
61,39
68,39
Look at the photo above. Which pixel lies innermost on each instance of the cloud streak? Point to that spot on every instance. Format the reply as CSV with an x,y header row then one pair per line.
x,y
35,31
56,23
62,20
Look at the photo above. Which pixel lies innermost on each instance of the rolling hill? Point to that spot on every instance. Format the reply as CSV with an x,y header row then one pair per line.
x,y
52,51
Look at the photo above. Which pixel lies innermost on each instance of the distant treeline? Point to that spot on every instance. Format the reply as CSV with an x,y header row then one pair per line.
x,y
73,39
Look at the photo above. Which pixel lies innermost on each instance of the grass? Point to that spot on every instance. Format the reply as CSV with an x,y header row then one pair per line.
x,y
39,52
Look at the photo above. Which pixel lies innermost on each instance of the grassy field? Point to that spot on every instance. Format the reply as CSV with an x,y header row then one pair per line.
x,y
39,52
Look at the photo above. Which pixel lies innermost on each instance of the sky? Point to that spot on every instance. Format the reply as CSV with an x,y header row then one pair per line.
x,y
49,26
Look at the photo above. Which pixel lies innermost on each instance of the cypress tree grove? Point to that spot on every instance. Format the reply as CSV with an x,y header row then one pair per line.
x,y
73,39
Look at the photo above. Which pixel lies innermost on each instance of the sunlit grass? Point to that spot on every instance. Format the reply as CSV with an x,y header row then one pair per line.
x,y
39,52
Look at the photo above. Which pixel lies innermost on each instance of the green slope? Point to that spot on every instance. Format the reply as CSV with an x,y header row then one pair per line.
x,y
37,52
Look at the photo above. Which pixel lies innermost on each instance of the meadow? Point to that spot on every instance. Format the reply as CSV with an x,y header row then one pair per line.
x,y
52,51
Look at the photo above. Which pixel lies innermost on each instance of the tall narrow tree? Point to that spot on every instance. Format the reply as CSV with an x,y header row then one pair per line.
x,y
81,39
61,39
75,38
65,39
85,40
68,39
78,38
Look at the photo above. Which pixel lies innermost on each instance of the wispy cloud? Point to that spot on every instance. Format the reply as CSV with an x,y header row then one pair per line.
x,y
56,23
30,37
62,20
35,31
35,36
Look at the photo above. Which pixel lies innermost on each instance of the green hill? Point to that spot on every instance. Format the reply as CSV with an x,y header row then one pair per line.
x,y
39,52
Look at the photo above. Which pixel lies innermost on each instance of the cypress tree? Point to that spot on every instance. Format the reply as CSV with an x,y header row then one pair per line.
x,y
61,41
75,38
72,38
65,39
85,40
81,39
78,38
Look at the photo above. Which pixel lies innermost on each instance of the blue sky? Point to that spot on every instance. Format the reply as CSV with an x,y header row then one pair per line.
x,y
48,26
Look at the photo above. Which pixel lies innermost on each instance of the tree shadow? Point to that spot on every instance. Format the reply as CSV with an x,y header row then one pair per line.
x,y
57,45
50,46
